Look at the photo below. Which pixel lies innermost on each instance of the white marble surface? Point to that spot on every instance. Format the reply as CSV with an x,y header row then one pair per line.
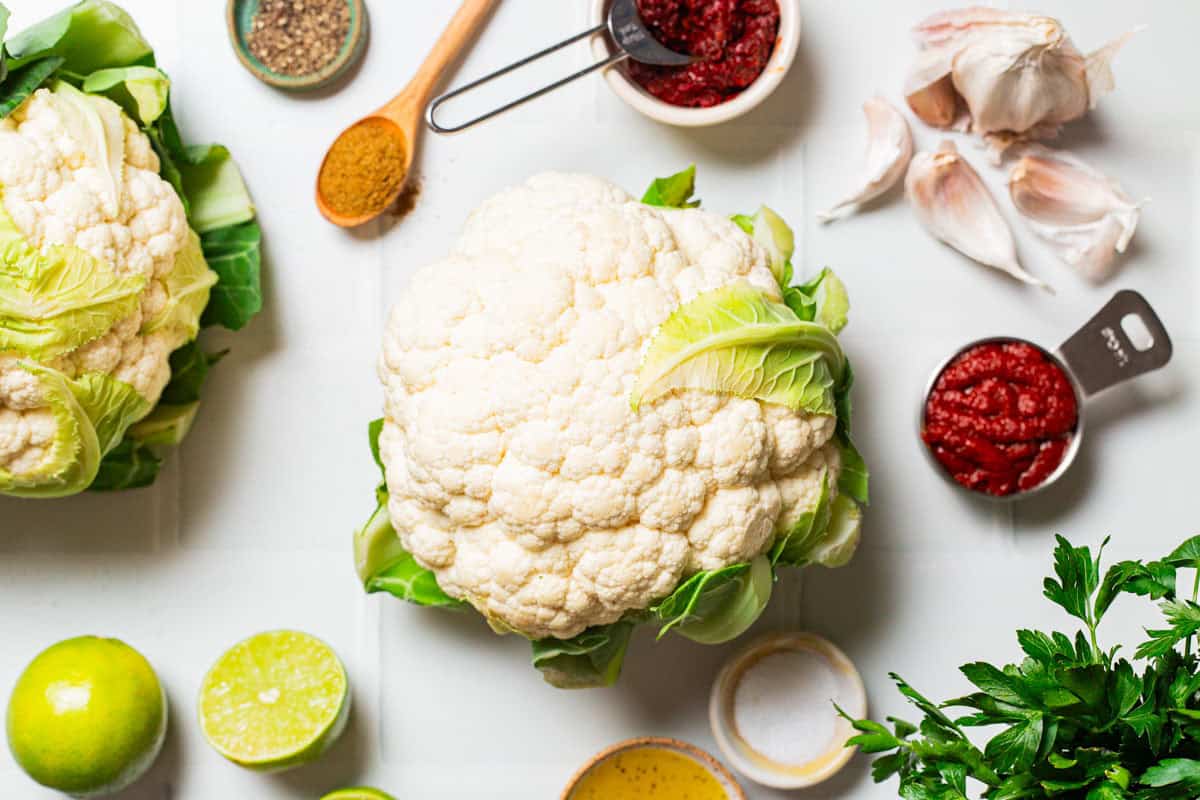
x,y
249,526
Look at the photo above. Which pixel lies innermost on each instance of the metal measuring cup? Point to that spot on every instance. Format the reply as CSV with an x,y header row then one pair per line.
x,y
1096,357
629,34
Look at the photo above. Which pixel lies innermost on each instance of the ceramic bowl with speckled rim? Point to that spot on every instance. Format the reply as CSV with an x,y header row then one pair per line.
x,y
786,44
239,16
714,767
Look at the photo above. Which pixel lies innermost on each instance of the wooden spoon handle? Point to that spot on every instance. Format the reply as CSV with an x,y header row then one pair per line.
x,y
462,28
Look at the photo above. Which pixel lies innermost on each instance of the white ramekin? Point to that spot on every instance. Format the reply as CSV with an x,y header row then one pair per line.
x,y
738,751
781,60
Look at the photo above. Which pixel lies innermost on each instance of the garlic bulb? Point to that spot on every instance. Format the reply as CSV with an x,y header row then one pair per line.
x,y
952,202
1004,71
1083,214
889,149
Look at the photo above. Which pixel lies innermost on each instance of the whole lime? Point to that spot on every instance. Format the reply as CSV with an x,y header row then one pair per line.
x,y
87,717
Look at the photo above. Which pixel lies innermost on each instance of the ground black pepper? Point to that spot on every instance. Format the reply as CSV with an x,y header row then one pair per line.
x,y
298,37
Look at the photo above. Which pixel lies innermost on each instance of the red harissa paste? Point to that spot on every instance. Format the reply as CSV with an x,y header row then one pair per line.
x,y
734,39
1001,417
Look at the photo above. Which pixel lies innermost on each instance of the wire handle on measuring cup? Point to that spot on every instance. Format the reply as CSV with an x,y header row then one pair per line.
x,y
629,34
431,110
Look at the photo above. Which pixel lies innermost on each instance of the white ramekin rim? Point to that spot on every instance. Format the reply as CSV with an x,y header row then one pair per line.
x,y
782,57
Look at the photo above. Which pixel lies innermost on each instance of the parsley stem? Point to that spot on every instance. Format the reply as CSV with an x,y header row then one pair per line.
x,y
1187,646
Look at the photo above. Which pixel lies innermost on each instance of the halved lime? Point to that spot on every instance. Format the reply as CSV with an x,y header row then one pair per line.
x,y
275,701
358,793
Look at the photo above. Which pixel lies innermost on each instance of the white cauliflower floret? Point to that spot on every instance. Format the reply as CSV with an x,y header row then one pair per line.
x,y
56,195
517,471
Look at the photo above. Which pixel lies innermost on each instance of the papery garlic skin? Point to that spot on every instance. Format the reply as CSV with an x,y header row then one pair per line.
x,y
1007,71
954,205
929,87
1083,214
889,149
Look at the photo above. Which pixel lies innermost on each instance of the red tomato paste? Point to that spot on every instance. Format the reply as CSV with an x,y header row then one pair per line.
x,y
734,39
1001,417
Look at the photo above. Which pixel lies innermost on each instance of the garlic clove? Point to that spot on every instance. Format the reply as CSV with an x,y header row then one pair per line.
x,y
889,149
953,204
930,92
1082,213
1061,189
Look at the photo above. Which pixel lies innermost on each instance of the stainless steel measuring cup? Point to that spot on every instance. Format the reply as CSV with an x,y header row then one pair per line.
x,y
627,30
1096,357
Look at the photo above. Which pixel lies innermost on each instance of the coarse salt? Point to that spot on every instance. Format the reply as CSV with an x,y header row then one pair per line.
x,y
783,706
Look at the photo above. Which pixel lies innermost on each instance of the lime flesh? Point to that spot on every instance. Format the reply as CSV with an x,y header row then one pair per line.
x,y
358,793
87,717
275,701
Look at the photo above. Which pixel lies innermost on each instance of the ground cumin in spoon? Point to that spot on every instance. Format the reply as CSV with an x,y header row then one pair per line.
x,y
364,169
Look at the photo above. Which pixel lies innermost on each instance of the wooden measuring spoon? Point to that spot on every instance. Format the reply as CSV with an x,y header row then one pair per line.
x,y
401,117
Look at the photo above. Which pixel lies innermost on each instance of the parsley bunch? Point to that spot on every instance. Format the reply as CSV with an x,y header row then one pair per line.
x,y
1078,723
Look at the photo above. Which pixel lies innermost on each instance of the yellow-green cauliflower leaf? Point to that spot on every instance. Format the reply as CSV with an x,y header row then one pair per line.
x,y
100,280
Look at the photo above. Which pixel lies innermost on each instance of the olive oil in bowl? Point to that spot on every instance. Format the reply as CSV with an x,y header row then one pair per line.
x,y
653,769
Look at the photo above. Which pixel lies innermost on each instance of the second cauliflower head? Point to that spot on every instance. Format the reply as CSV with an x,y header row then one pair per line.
x,y
517,471
100,280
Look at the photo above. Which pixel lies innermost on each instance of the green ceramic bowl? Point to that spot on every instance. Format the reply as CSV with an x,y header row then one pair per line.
x,y
240,13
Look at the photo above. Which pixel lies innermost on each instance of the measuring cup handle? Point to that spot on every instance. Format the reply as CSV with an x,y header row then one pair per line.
x,y
431,110
1101,354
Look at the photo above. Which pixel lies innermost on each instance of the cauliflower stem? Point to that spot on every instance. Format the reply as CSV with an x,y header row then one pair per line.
x,y
743,339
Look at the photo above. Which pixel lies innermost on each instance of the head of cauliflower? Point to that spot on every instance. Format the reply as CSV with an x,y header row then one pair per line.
x,y
100,280
517,471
